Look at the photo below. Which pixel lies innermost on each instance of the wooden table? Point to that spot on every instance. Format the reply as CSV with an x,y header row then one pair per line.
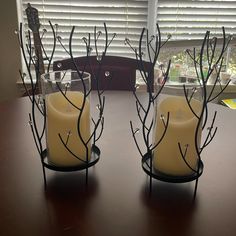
x,y
116,200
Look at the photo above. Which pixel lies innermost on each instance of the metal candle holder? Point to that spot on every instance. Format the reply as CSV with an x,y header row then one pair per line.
x,y
205,60
32,59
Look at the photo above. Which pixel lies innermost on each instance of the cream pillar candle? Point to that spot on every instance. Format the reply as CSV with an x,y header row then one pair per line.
x,y
181,128
62,119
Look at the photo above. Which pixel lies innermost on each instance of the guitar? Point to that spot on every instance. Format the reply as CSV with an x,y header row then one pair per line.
x,y
34,25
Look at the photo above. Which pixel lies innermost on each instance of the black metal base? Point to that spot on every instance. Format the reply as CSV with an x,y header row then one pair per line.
x,y
95,156
146,164
153,173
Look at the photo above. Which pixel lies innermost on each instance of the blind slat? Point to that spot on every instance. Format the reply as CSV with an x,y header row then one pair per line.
x,y
191,19
126,18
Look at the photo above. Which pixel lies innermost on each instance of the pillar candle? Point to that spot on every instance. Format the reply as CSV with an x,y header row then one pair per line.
x,y
181,128
62,119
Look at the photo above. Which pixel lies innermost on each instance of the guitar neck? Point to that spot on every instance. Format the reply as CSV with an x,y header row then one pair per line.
x,y
34,25
38,52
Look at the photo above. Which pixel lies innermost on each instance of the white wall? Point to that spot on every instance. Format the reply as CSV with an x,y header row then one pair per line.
x,y
9,50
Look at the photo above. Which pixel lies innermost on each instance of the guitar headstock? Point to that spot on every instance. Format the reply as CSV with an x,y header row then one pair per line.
x,y
33,18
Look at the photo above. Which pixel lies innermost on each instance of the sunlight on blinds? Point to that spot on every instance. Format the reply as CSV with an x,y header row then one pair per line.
x,y
125,17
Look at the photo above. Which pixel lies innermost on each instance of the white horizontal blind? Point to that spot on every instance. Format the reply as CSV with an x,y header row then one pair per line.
x,y
124,17
190,19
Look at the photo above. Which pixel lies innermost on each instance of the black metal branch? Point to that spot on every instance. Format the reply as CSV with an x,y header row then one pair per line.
x,y
188,100
139,102
143,111
84,99
164,132
43,33
158,43
150,129
209,133
211,138
229,38
140,53
168,38
101,102
73,59
106,38
29,47
138,108
44,121
148,165
210,50
96,37
94,131
38,136
111,40
222,90
145,136
183,155
64,95
58,37
65,145
139,59
53,48
223,48
204,95
44,52
127,42
148,46
164,81
96,124
196,63
34,135
134,137
216,80
188,51
22,75
101,131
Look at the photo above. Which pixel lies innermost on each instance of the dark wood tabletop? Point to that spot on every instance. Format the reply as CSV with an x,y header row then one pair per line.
x,y
116,200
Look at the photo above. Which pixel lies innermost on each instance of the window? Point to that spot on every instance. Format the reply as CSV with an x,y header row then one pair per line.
x,y
185,20
189,20
125,18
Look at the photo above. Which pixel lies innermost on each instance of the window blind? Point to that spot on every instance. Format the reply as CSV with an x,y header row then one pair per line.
x,y
190,19
125,18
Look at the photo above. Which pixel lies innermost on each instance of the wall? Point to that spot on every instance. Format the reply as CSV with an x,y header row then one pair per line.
x,y
9,51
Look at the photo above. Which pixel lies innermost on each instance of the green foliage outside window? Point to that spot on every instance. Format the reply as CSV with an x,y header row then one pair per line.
x,y
182,65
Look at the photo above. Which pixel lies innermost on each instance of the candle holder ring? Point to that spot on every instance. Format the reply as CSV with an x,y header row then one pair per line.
x,y
95,156
153,173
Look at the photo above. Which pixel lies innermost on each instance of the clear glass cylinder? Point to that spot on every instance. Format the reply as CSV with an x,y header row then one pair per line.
x,y
178,126
67,117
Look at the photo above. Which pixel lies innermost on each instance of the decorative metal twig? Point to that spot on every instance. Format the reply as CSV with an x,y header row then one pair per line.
x,y
207,58
144,111
31,59
212,63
